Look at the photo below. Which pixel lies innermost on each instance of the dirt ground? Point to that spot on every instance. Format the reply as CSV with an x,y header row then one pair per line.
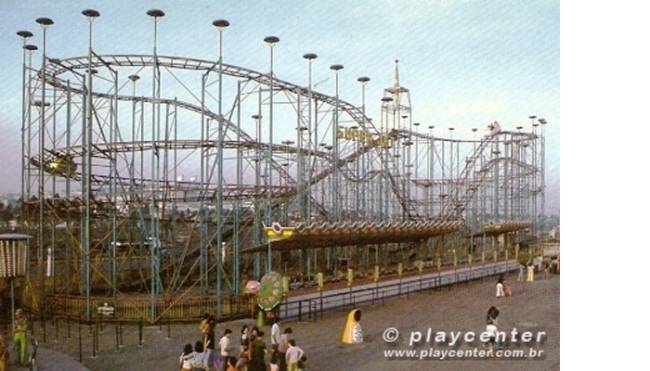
x,y
533,307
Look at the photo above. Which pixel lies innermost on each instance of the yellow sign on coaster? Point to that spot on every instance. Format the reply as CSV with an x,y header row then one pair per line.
x,y
469,259
276,232
319,280
400,269
420,265
494,254
506,254
517,251
376,273
483,257
350,276
455,258
438,263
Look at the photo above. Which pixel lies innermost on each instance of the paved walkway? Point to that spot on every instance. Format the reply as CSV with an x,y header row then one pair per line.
x,y
49,360
533,306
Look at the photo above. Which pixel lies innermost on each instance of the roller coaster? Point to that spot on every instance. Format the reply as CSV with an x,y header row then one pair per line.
x,y
153,178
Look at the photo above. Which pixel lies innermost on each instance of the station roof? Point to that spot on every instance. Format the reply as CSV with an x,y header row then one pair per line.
x,y
319,235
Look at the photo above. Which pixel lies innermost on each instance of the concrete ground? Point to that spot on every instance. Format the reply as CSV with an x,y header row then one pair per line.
x,y
532,307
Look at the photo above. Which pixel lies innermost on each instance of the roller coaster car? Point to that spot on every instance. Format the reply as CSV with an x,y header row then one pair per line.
x,y
62,165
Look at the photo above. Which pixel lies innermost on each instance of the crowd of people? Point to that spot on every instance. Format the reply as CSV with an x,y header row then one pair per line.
x,y
249,355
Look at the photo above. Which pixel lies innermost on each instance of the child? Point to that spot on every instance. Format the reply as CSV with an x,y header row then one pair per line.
x,y
492,315
507,290
244,336
244,356
231,364
500,292
274,364
491,329
293,356
186,358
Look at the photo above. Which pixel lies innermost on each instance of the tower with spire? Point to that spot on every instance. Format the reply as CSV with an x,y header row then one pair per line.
x,y
396,112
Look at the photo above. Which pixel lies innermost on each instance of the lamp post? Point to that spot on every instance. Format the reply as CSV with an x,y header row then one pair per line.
x,y
86,166
430,173
133,78
24,35
45,23
364,193
535,173
313,135
383,204
156,14
451,189
258,185
221,25
417,160
270,41
543,122
335,144
30,49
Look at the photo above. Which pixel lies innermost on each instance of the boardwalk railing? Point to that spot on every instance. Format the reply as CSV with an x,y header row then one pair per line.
x,y
312,306
138,308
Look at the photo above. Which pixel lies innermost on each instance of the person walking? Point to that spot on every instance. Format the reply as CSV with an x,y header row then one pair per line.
x,y
275,334
500,291
244,356
204,327
520,275
274,363
283,346
293,356
492,315
20,336
530,273
225,350
244,336
225,344
258,350
492,330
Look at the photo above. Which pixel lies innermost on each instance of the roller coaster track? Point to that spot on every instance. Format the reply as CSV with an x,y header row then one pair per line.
x,y
56,67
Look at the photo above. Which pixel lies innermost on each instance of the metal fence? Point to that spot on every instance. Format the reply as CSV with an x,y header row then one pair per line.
x,y
312,306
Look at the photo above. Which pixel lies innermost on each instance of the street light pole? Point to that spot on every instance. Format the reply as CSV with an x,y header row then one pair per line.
x,y
24,35
45,23
220,24
271,41
313,141
335,143
364,193
155,121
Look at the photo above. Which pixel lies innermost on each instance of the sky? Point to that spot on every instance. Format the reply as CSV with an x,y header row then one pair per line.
x,y
466,63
